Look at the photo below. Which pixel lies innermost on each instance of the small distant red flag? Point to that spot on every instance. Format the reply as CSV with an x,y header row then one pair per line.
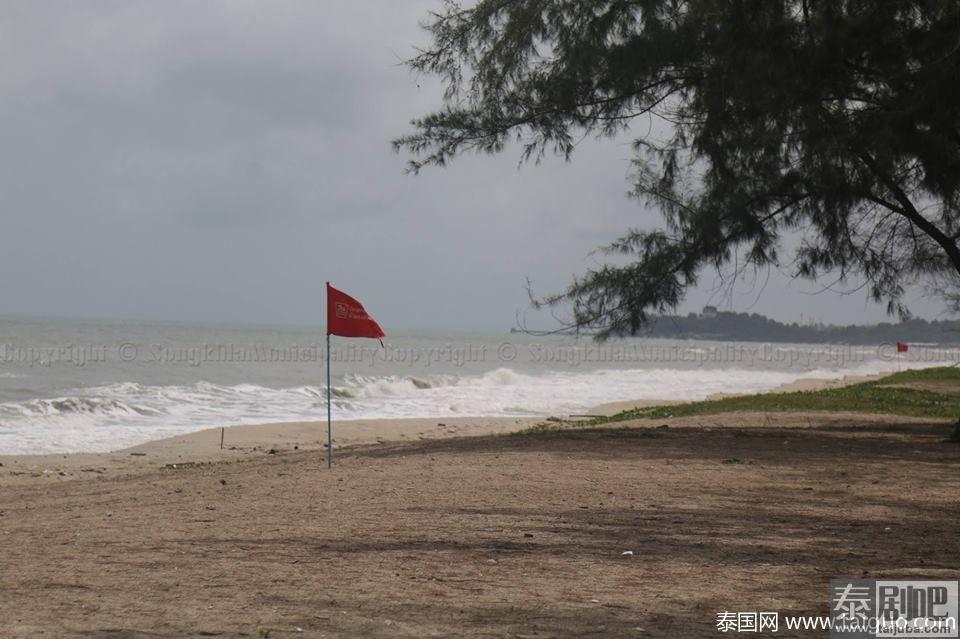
x,y
902,348
346,317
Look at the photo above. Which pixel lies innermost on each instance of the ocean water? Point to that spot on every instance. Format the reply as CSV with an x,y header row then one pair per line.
x,y
98,385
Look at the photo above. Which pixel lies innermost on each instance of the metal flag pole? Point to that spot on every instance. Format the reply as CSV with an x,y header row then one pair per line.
x,y
329,411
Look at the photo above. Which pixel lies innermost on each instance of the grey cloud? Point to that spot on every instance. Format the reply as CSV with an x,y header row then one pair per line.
x,y
220,160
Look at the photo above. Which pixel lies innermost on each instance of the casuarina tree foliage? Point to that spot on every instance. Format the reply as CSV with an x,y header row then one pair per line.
x,y
834,123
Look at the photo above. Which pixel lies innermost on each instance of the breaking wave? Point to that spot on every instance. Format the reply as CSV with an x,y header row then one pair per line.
x,y
118,415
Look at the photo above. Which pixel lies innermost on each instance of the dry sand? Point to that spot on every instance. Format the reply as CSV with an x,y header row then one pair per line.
x,y
517,536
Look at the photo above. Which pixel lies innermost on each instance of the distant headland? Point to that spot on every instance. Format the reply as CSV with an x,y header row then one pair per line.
x,y
713,324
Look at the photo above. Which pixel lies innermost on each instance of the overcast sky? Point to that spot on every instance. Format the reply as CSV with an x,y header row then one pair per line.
x,y
219,160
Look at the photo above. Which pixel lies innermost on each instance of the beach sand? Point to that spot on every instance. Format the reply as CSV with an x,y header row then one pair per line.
x,y
522,535
247,442
635,530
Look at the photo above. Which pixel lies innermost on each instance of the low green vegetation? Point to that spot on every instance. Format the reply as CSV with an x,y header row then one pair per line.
x,y
931,392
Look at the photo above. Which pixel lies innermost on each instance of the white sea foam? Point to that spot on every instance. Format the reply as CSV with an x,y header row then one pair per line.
x,y
118,415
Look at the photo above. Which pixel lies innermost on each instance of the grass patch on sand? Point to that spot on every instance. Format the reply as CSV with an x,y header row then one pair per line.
x,y
897,394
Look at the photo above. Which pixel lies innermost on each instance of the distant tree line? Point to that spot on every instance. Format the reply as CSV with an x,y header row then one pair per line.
x,y
750,327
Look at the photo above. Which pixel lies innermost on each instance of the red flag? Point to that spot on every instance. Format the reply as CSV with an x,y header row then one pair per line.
x,y
346,317
902,348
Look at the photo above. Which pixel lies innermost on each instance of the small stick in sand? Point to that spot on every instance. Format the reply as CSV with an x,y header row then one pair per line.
x,y
222,430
